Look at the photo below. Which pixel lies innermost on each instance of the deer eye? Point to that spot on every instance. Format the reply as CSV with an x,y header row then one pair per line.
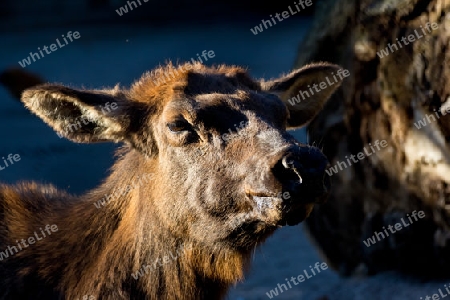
x,y
179,126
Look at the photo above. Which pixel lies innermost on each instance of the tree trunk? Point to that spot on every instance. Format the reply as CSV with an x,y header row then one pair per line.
x,y
383,99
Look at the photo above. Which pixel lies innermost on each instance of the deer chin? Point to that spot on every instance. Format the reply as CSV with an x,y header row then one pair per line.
x,y
250,229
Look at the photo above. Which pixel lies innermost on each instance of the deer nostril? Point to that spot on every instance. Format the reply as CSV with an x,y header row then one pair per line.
x,y
290,163
302,173
288,172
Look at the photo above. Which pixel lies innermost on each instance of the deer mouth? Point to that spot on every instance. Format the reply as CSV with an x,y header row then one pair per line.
x,y
283,212
269,213
295,215
300,206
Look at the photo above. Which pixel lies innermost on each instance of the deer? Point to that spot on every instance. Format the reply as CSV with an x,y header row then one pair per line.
x,y
225,174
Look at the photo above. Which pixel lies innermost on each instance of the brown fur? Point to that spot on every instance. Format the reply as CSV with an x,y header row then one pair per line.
x,y
213,199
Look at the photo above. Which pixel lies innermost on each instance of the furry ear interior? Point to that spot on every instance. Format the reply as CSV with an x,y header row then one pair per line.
x,y
305,91
81,116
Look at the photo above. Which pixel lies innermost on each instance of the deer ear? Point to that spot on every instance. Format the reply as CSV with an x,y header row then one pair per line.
x,y
81,116
306,90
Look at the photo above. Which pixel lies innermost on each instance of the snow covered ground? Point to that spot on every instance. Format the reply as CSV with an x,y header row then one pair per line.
x,y
106,55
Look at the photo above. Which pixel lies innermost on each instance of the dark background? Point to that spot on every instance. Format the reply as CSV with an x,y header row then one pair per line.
x,y
25,14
